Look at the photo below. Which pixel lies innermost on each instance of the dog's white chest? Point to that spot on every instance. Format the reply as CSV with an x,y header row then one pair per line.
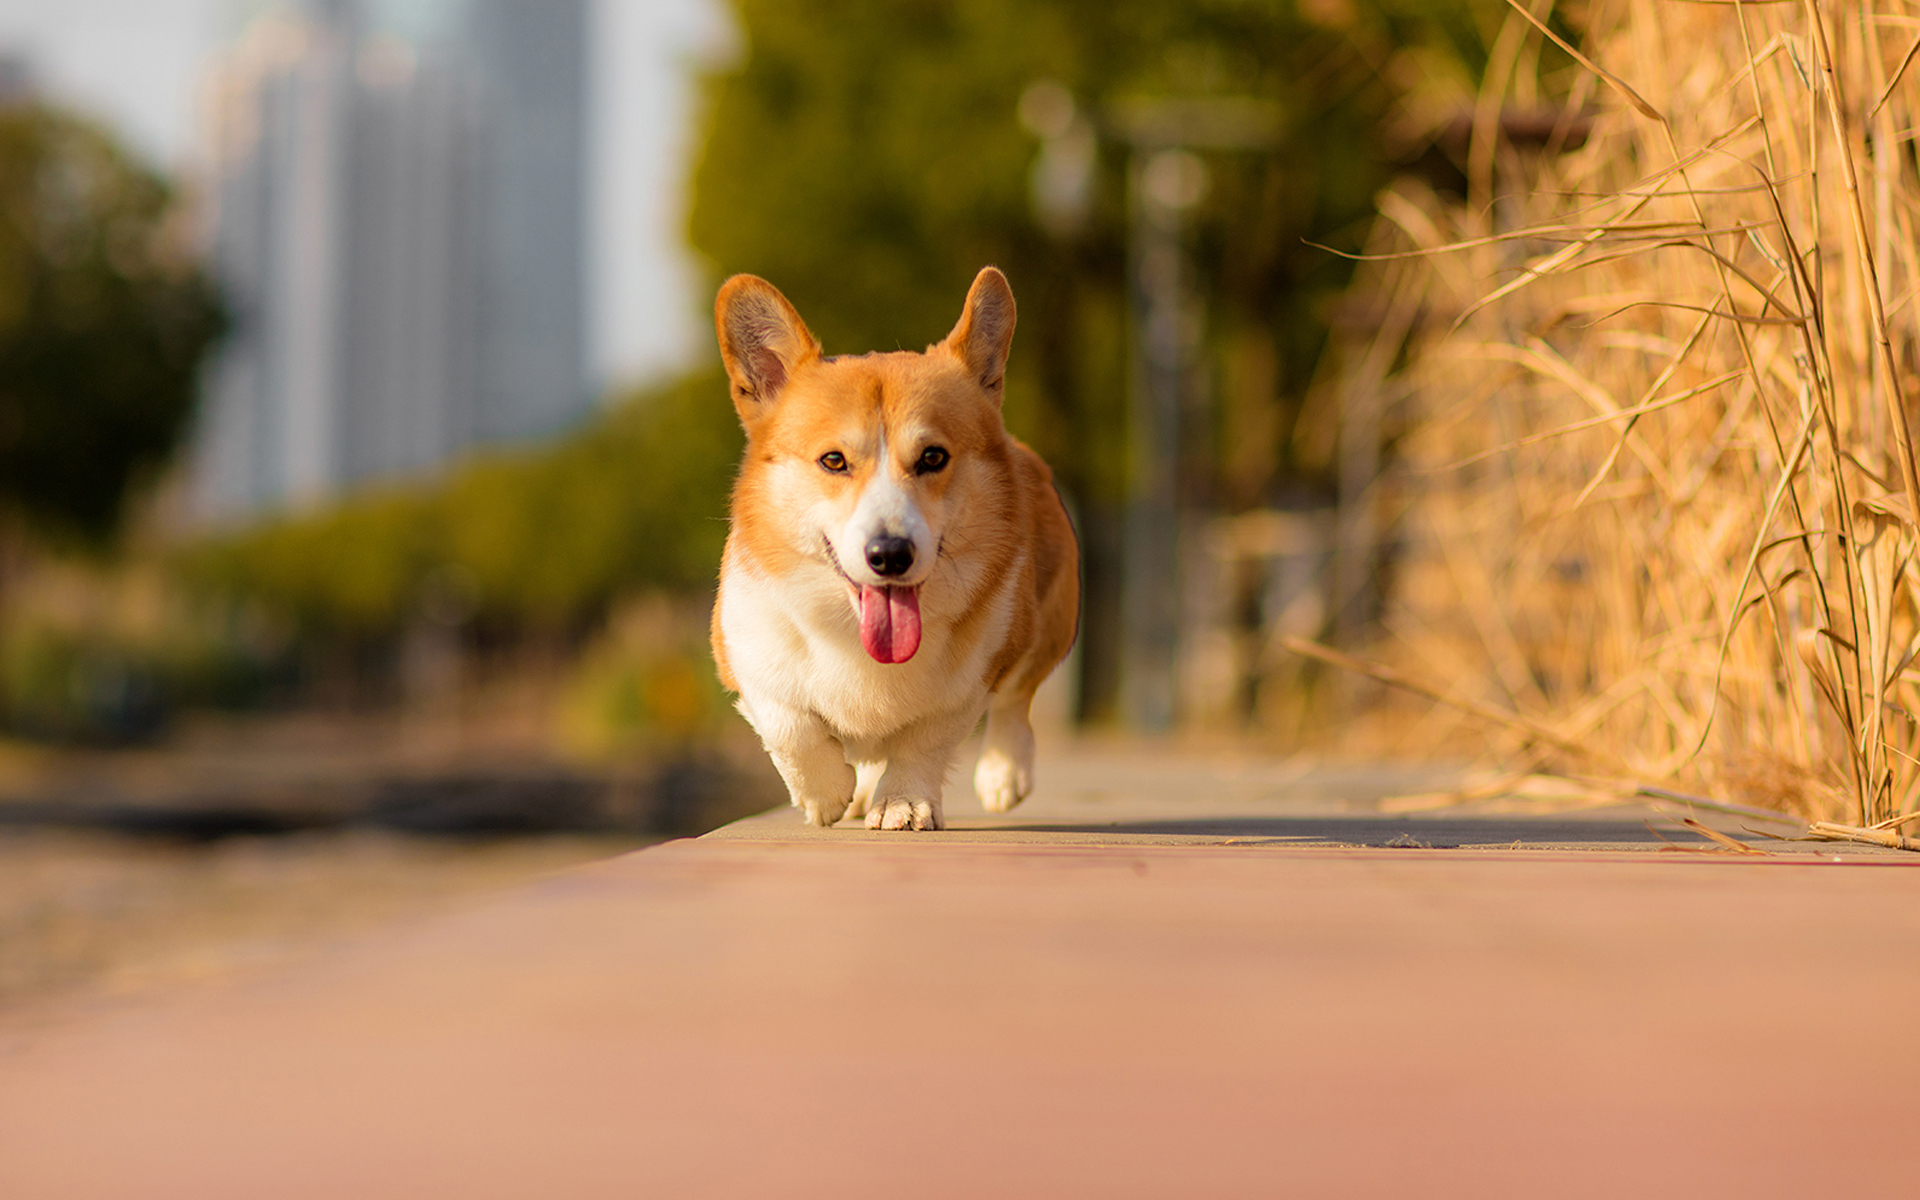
x,y
796,643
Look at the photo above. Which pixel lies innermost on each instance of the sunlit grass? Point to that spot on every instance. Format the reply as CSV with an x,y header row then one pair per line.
x,y
1653,468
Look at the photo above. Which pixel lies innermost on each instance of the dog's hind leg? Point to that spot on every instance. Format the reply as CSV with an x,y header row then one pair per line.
x,y
1004,776
866,779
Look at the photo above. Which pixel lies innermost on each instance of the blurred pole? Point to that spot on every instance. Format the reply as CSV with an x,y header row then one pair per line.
x,y
1165,182
1168,409
1163,188
1358,526
1356,534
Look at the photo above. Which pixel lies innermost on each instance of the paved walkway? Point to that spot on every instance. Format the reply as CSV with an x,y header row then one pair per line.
x,y
1174,978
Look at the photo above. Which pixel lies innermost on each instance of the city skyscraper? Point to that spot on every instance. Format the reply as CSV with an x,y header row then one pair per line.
x,y
396,215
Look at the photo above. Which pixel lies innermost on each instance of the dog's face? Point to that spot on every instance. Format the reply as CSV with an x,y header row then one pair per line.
x,y
881,466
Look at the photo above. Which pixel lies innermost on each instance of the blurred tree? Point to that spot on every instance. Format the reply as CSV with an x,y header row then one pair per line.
x,y
533,540
867,158
103,322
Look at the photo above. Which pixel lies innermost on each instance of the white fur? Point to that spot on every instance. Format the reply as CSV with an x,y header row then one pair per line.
x,y
820,704
885,508
1004,775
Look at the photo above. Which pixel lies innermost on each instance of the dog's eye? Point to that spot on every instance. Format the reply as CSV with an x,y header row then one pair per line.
x,y
931,459
834,461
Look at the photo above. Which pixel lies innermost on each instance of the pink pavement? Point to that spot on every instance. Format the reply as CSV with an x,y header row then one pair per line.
x,y
848,1017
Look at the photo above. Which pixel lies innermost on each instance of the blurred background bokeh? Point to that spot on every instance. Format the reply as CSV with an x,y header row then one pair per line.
x,y
364,456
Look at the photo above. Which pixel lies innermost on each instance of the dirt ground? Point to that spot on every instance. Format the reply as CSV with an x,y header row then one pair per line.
x,y
245,842
87,917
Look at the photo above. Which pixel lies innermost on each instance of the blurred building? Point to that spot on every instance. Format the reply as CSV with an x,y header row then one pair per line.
x,y
17,82
396,214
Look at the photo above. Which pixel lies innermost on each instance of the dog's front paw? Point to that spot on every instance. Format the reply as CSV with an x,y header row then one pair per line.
x,y
905,812
1001,781
821,811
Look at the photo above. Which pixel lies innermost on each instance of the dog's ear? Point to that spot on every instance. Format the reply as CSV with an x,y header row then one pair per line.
x,y
762,341
984,333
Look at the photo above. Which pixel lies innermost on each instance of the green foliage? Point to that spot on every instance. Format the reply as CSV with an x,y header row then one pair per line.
x,y
102,324
79,677
55,684
539,539
867,158
648,681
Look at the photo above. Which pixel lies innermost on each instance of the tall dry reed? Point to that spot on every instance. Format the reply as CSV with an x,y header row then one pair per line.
x,y
1648,454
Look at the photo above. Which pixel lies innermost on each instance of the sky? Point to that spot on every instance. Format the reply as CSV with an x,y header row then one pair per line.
x,y
136,66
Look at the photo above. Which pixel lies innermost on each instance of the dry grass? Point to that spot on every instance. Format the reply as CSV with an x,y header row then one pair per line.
x,y
1650,462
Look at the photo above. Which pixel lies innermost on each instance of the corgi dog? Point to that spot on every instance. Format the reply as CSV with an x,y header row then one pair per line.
x,y
896,565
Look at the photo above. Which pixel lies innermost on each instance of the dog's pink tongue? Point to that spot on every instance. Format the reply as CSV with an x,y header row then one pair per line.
x,y
890,622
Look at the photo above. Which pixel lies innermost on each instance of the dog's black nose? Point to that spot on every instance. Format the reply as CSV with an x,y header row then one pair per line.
x,y
889,555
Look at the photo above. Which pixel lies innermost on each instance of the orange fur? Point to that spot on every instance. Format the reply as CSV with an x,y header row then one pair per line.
x,y
999,602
